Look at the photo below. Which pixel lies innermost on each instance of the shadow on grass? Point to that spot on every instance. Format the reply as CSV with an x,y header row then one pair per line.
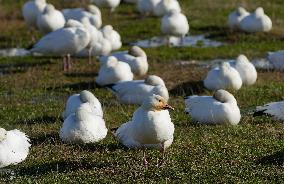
x,y
91,74
77,86
188,88
40,120
24,65
103,147
276,158
51,138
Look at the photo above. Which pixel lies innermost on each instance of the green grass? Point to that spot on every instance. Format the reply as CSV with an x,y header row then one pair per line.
x,y
33,92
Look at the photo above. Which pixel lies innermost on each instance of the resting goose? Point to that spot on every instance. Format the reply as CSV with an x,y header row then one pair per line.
x,y
30,11
220,109
150,126
223,77
134,92
135,57
113,36
274,109
165,6
83,126
14,147
236,17
276,59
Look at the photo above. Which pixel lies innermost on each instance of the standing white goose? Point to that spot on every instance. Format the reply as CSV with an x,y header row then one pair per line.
x,y
146,7
246,70
113,36
174,24
276,59
113,71
150,126
14,147
256,22
135,57
274,109
76,100
223,77
31,9
134,92
236,17
65,42
165,6
222,108
50,19
111,4
83,126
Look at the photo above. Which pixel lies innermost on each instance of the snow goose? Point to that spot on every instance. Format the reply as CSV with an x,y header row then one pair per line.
x,y
113,71
113,36
31,9
66,41
256,22
276,59
14,147
274,109
134,92
164,7
146,7
150,126
246,70
83,126
50,19
92,12
74,101
236,17
223,77
220,109
174,23
135,57
111,4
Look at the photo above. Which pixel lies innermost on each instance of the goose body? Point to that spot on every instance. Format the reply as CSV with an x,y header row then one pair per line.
x,y
135,57
111,4
223,77
236,17
274,109
113,71
256,22
165,6
14,147
222,108
276,59
246,70
50,19
76,100
146,7
134,92
113,36
83,126
31,9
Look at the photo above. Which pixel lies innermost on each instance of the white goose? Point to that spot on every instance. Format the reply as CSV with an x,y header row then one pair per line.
x,y
113,36
146,7
274,109
111,4
165,6
246,70
174,23
92,12
256,22
222,108
76,100
276,59
223,77
65,42
134,92
31,9
135,57
150,126
14,147
50,19
236,17
113,71
83,126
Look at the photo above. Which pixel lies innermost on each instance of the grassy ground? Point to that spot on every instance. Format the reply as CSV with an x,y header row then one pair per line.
x,y
33,92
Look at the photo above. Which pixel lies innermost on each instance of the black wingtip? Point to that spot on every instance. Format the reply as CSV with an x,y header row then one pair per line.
x,y
259,113
113,130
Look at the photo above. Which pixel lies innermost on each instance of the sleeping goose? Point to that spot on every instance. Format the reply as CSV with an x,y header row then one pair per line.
x,y
134,92
113,36
236,17
74,101
220,108
83,126
150,127
14,147
164,7
274,109
31,9
256,22
223,77
113,71
135,57
246,70
276,59
50,19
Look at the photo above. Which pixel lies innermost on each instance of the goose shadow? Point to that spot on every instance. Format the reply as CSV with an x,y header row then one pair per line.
x,y
83,74
24,65
98,147
77,86
40,120
188,88
276,158
51,138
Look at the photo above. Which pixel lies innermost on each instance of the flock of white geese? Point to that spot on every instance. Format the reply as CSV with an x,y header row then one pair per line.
x,y
79,32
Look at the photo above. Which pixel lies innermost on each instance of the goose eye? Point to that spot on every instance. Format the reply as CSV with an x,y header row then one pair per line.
x,y
160,100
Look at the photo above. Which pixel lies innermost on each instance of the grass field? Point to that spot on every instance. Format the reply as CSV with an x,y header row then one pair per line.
x,y
33,92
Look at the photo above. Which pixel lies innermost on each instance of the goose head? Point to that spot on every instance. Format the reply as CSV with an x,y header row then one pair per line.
x,y
259,12
83,111
111,62
156,103
241,11
40,1
154,80
3,134
137,52
94,10
73,23
224,96
86,96
48,9
242,59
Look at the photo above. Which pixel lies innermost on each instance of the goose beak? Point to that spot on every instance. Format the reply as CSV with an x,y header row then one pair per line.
x,y
168,107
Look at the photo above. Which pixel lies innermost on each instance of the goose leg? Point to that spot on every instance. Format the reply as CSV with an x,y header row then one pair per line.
x,y
145,162
168,41
65,63
163,150
90,55
69,62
